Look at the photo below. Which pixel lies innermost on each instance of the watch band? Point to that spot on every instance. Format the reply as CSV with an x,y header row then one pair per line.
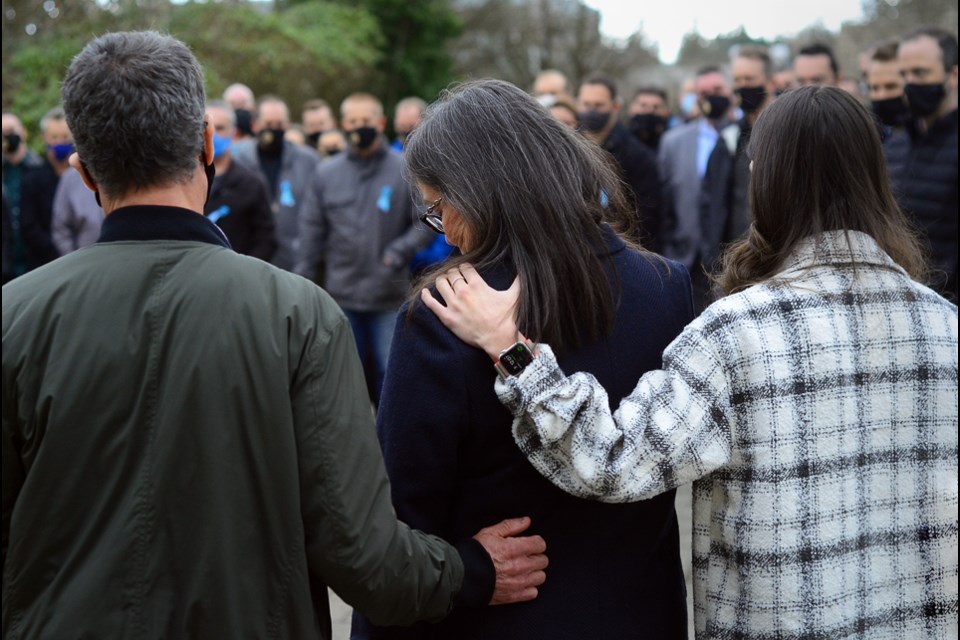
x,y
514,359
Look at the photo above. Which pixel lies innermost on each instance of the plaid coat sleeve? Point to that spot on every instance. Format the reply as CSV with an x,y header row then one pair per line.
x,y
672,429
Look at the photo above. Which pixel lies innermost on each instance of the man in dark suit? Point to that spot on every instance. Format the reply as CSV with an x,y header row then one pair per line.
x,y
684,155
599,113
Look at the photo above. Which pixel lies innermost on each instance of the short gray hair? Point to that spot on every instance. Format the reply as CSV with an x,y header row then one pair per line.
x,y
135,103
54,114
412,101
223,106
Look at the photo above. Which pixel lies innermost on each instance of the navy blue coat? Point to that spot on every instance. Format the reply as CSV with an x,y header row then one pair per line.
x,y
614,568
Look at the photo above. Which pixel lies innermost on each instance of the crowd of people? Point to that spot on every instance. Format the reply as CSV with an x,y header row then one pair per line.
x,y
236,425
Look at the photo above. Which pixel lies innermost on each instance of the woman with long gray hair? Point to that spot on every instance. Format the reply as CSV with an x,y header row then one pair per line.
x,y
521,194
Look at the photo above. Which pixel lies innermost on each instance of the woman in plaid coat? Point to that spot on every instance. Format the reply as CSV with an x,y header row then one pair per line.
x,y
814,407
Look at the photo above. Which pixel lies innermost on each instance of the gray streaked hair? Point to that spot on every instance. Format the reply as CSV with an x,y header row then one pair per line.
x,y
135,105
533,192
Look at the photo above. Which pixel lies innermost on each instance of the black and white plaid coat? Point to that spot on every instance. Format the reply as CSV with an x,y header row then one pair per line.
x,y
817,415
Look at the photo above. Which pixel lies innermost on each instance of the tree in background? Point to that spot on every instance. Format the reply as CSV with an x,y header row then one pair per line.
x,y
885,19
302,49
308,50
516,39
697,51
297,49
414,51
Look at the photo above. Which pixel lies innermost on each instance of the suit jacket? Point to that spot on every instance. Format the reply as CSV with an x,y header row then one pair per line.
x,y
638,169
677,158
717,224
614,569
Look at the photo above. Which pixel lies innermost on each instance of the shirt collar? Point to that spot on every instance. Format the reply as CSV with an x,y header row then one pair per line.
x,y
707,130
154,222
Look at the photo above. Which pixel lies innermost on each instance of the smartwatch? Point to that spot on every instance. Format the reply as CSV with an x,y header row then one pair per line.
x,y
514,359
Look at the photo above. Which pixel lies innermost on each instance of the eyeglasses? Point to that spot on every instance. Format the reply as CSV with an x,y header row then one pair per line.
x,y
431,218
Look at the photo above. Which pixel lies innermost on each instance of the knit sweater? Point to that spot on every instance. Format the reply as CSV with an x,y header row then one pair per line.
x,y
816,414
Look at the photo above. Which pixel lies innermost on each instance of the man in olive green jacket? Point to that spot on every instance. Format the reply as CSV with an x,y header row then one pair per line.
x,y
187,446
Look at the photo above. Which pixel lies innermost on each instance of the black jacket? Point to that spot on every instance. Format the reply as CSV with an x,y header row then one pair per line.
x,y
923,168
37,189
240,205
638,167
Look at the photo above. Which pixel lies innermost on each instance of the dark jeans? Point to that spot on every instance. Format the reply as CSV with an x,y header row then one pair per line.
x,y
373,332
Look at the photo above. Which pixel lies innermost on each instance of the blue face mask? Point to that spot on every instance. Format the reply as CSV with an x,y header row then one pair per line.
x,y
221,144
61,151
687,103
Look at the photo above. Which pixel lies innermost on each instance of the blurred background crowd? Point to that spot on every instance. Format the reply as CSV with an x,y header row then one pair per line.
x,y
304,83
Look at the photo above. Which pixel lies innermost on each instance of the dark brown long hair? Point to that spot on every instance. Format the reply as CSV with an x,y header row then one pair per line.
x,y
533,193
817,166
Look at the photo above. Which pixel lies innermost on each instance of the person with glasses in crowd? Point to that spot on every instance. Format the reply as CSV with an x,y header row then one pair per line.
x,y
520,193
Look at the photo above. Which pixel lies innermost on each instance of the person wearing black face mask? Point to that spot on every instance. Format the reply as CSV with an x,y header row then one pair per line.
x,y
923,163
317,119
287,168
358,218
885,90
599,122
18,162
240,98
697,208
649,115
752,71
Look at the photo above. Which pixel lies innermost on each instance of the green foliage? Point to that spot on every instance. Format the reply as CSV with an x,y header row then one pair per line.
x,y
297,49
414,57
45,67
314,49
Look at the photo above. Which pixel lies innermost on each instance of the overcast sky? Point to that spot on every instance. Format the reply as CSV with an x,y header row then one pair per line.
x,y
671,19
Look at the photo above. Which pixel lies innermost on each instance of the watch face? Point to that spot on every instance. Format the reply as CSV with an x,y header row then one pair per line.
x,y
516,358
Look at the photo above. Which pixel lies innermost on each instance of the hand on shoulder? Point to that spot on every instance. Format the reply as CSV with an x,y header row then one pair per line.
x,y
476,313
